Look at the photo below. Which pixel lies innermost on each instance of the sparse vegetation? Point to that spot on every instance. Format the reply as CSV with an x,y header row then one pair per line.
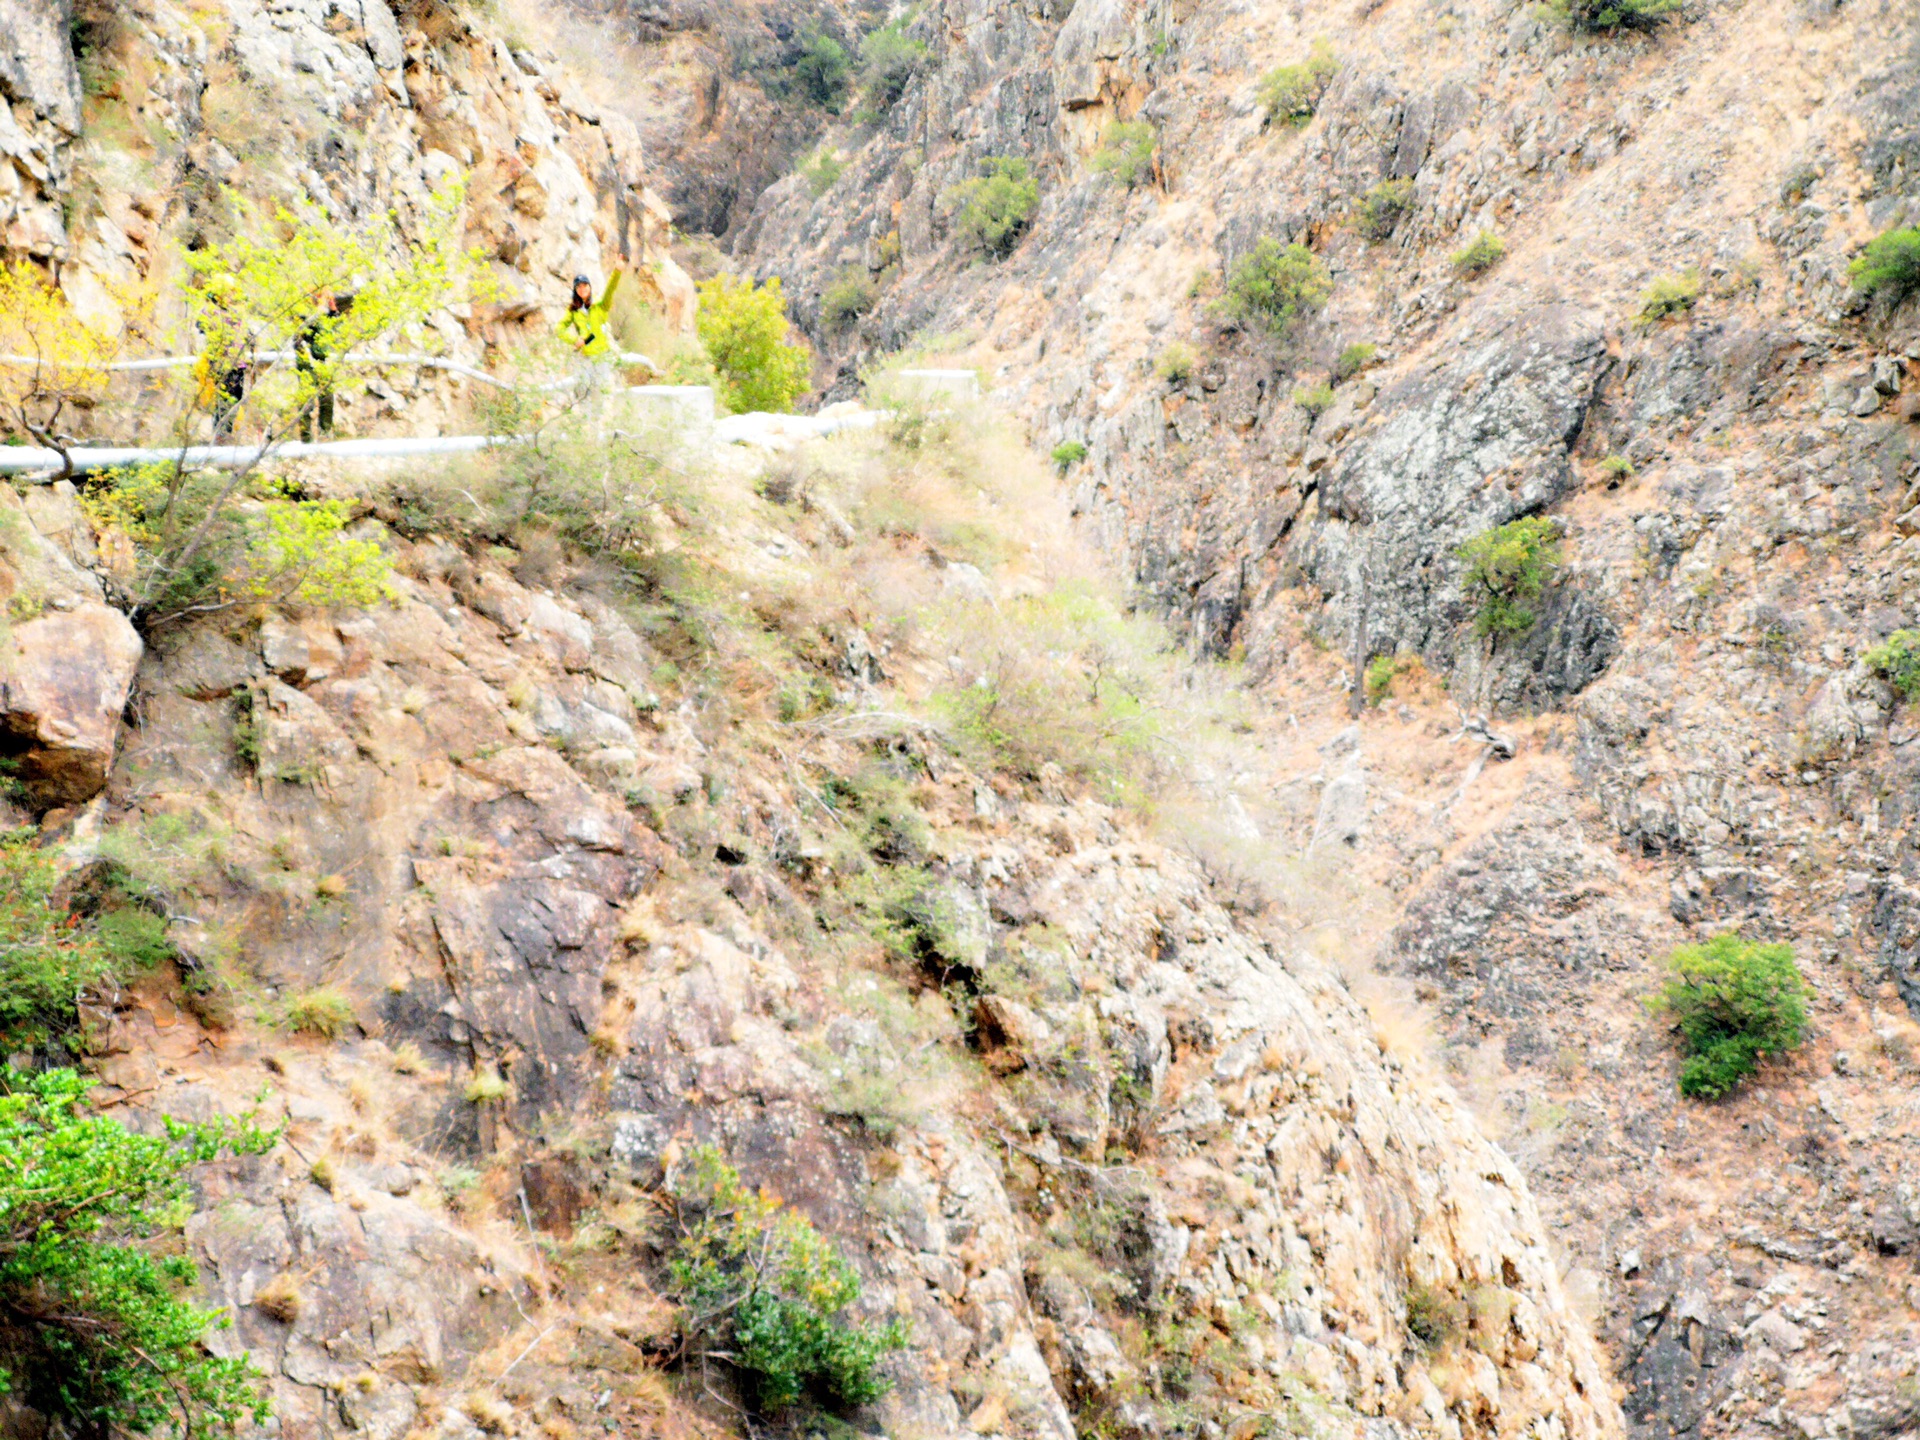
x,y
763,1291
1275,285
1890,266
822,171
848,298
1616,467
1896,660
1433,1316
1735,1002
1383,670
487,1086
1316,400
324,1012
1126,151
889,59
1382,206
1353,360
1668,296
94,1330
1600,17
992,210
1479,255
1290,93
744,327
1067,454
1508,567
1176,363
822,72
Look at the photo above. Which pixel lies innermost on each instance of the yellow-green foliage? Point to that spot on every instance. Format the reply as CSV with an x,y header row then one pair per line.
x,y
1290,93
1316,400
1896,660
1353,360
1508,567
1382,207
1126,151
1668,296
744,327
324,1012
1383,670
849,297
991,211
1176,362
1735,1002
1890,265
1479,254
1274,285
43,400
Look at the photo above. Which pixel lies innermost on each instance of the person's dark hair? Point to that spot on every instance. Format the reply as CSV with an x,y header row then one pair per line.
x,y
577,301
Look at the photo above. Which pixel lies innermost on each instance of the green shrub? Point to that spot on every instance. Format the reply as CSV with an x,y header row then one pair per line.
x,y
1616,467
848,298
823,71
1275,285
48,956
1433,1316
324,1012
1597,17
1382,207
1126,151
1896,660
1479,254
1353,360
889,59
93,1329
135,937
744,328
1176,362
1067,454
1735,1002
1510,566
1889,266
822,172
1383,670
761,1289
1668,296
1289,94
991,211
1316,400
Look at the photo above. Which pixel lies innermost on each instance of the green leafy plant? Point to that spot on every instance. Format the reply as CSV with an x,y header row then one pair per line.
x,y
324,1012
1616,467
1479,254
1668,296
823,72
1316,400
1508,567
889,59
1274,285
744,328
848,298
1126,151
1353,360
1067,454
1290,93
1176,362
762,1290
1896,660
92,1327
1599,17
1433,1316
1383,670
1889,266
1382,206
991,211
1735,1002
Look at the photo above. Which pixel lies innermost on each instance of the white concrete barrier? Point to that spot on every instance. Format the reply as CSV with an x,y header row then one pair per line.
x,y
961,385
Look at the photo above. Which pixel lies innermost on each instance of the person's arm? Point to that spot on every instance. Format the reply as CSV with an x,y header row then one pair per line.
x,y
613,286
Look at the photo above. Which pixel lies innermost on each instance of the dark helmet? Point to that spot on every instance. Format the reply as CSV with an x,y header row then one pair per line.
x,y
579,280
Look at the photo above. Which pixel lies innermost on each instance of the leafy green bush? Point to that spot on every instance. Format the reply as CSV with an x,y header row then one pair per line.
x,y
1510,566
1067,454
1616,467
760,1288
1126,151
48,955
1355,358
1896,660
744,328
1275,285
1597,17
1383,670
1668,296
1433,1316
1735,1001
1889,266
822,72
991,211
1290,93
1479,254
1176,362
1316,400
889,59
92,1327
1382,206
848,298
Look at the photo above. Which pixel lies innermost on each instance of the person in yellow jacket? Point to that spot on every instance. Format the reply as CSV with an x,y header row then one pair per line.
x,y
586,321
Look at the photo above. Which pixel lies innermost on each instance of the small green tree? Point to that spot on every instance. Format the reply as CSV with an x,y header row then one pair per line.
x,y
1126,151
1508,567
1599,17
1315,399
92,1327
1382,206
1290,93
744,328
1479,254
849,297
1176,362
1274,285
1735,1002
1889,266
48,955
822,72
1067,454
889,59
991,211
1896,660
761,1289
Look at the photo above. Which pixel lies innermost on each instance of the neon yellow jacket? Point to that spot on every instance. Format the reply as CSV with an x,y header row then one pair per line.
x,y
587,327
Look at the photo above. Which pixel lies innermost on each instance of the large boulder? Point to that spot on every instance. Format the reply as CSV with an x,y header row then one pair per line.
x,y
64,677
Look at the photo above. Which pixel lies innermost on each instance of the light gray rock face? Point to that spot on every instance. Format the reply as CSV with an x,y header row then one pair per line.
x,y
38,76
36,59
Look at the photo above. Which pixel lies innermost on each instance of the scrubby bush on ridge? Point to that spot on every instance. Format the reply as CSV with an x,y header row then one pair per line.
x,y
744,328
991,211
1508,567
1275,285
1735,1002
1889,266
1290,93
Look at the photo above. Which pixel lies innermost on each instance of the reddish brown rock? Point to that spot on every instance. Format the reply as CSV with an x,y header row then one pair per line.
x,y
63,682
